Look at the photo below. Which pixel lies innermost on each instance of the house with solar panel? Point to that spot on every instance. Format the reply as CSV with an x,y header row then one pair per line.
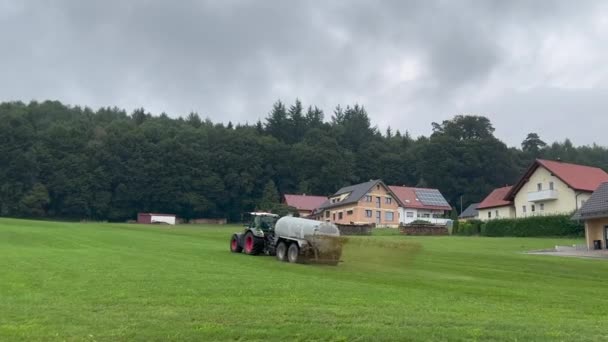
x,y
421,204
371,202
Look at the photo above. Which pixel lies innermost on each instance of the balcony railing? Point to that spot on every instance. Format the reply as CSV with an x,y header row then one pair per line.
x,y
543,195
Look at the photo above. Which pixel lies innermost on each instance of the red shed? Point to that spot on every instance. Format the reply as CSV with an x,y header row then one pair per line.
x,y
149,218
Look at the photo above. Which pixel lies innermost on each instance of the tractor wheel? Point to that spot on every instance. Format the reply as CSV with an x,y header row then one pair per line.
x,y
253,244
281,251
235,247
293,253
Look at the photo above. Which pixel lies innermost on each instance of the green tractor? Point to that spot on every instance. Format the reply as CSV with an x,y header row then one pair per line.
x,y
258,235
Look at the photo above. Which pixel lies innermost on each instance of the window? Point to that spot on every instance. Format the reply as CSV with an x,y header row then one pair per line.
x,y
532,208
426,215
409,214
539,186
340,215
334,216
378,187
524,209
489,214
368,213
378,216
388,200
349,212
378,201
368,198
327,214
551,186
496,213
388,216
542,206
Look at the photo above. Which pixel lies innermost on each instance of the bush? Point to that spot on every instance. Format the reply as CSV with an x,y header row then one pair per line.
x,y
468,228
557,225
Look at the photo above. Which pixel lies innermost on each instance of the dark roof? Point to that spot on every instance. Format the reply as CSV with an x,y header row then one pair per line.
x,y
577,177
418,198
596,206
304,202
470,211
496,199
356,192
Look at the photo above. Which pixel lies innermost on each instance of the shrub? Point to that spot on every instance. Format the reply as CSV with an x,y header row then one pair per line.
x,y
471,227
557,225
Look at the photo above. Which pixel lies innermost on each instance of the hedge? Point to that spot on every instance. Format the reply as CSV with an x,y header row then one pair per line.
x,y
558,225
467,228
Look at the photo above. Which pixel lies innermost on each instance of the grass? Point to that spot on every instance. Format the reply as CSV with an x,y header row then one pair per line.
x,y
117,282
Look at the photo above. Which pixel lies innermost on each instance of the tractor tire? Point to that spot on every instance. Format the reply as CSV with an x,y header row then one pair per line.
x,y
293,253
281,252
235,247
253,245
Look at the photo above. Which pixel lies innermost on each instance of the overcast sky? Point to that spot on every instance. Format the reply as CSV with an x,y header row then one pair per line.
x,y
530,66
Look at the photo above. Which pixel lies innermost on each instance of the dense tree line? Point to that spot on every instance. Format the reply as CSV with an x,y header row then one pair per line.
x,y
73,162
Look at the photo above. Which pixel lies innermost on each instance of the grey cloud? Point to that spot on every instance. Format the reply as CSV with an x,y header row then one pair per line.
x,y
230,60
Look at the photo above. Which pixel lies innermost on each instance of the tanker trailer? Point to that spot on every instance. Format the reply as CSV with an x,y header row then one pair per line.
x,y
301,240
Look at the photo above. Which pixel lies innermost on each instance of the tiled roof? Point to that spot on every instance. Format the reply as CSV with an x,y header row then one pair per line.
x,y
496,199
304,202
409,198
596,206
470,211
578,177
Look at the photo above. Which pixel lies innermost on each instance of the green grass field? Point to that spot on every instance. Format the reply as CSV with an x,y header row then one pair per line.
x,y
117,282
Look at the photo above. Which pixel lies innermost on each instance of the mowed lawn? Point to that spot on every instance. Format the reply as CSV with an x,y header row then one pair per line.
x,y
118,282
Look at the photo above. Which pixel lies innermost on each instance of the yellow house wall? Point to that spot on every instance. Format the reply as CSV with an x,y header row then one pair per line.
x,y
359,208
564,204
503,212
594,230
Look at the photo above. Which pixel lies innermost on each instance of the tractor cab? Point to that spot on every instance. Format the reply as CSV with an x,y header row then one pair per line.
x,y
263,222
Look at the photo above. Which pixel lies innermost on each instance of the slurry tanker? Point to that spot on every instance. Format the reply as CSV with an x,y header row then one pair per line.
x,y
292,239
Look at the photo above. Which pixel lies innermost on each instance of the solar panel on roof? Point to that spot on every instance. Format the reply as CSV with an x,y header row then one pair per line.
x,y
431,197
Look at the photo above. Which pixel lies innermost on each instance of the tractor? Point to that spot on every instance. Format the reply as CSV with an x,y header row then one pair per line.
x,y
290,239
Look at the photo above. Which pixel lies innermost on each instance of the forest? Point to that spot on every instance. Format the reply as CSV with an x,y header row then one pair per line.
x,y
71,162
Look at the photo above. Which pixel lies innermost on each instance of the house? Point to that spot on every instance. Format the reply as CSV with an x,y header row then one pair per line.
x,y
305,204
595,214
470,213
149,218
421,204
546,188
495,206
553,187
369,202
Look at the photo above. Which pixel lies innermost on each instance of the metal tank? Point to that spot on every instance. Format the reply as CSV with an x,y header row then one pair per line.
x,y
303,229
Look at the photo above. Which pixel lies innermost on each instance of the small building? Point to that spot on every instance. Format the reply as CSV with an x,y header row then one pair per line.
x,y
305,204
421,204
595,215
495,206
370,202
150,218
470,213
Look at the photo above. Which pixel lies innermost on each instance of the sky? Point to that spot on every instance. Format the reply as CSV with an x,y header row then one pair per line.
x,y
529,66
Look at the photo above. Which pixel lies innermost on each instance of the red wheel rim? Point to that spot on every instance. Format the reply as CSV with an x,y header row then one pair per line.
x,y
249,243
233,244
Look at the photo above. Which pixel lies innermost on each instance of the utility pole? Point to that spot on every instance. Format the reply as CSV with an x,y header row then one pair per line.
x,y
461,204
